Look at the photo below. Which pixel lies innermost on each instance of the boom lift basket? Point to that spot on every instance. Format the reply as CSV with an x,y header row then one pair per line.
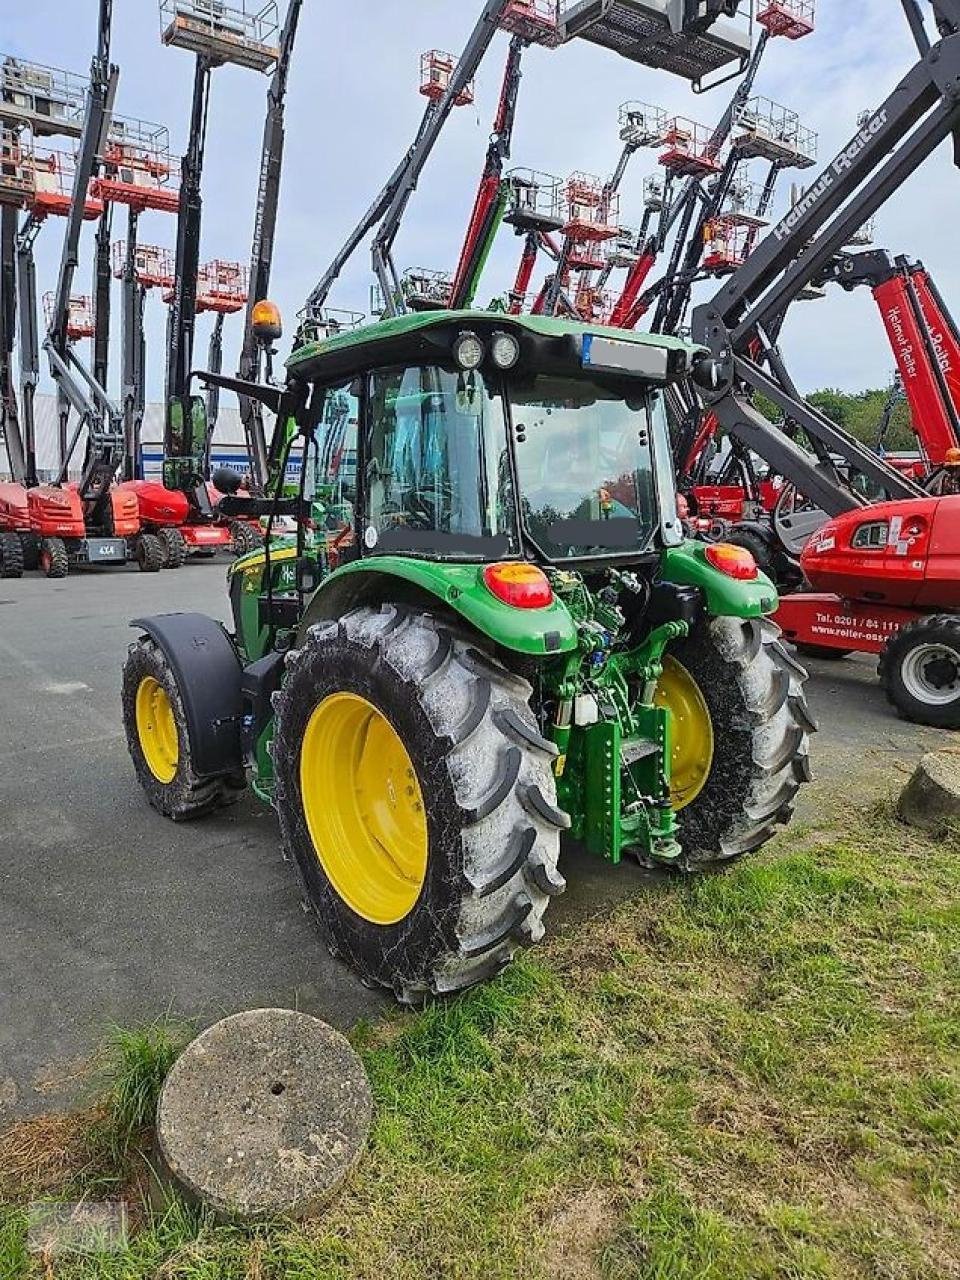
x,y
533,20
137,167
534,201
222,32
80,319
690,152
592,304
425,290
223,287
328,324
589,211
436,71
726,244
48,101
640,31
653,193
53,187
17,174
772,132
793,19
622,251
152,265
742,203
642,125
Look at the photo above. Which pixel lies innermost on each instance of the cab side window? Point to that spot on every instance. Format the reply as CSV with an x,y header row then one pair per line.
x,y
337,439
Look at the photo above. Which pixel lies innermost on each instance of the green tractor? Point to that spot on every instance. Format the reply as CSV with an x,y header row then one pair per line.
x,y
489,629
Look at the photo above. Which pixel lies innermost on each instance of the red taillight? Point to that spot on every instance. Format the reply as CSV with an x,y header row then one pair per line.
x,y
735,562
522,586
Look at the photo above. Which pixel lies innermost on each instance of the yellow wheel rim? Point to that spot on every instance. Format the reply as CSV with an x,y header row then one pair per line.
x,y
692,732
364,808
157,730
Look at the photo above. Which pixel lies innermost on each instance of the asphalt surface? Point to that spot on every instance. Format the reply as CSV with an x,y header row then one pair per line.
x,y
109,914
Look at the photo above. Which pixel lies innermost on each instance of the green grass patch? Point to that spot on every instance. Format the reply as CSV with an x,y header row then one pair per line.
x,y
750,1075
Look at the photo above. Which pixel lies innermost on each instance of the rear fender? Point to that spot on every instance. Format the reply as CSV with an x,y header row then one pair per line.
x,y
208,675
726,597
535,633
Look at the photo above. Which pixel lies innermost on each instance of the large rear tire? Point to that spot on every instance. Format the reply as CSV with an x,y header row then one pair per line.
x,y
446,863
159,741
755,743
920,671
11,556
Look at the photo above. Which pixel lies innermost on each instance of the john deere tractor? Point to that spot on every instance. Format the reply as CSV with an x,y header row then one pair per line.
x,y
488,630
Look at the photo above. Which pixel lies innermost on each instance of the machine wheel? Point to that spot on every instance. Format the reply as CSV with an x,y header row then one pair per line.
x,y
824,653
54,561
245,537
159,741
174,548
150,553
11,556
920,671
757,546
417,797
741,729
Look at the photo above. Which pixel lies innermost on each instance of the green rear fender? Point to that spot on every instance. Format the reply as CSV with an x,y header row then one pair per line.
x,y
726,597
536,633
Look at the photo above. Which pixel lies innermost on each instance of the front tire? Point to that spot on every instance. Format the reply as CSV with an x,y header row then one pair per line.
x,y
159,741
11,556
174,548
920,671
149,553
443,904
244,537
759,725
54,560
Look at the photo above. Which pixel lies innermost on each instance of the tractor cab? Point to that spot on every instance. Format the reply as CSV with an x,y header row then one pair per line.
x,y
476,437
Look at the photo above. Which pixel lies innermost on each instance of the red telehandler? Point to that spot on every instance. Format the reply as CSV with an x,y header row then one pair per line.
x,y
885,577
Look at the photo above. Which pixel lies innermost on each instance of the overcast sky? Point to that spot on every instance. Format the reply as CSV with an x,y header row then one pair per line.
x,y
353,109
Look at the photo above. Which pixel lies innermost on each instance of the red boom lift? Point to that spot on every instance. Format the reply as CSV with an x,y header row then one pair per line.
x,y
885,577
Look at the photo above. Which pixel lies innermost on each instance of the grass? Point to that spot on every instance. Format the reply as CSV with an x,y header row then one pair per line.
x,y
751,1076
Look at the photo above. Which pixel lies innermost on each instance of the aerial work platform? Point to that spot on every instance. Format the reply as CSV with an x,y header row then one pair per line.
x,y
792,19
436,72
17,175
642,125
533,20
223,32
640,31
769,131
49,102
151,265
80,318
425,290
590,212
534,201
138,168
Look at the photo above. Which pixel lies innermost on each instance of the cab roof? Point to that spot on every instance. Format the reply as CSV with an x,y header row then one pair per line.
x,y
552,344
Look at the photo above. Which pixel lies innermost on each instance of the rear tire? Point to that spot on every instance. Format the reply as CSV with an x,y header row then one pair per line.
x,y
54,560
245,538
920,671
149,553
492,828
11,556
174,548
753,689
758,548
184,796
